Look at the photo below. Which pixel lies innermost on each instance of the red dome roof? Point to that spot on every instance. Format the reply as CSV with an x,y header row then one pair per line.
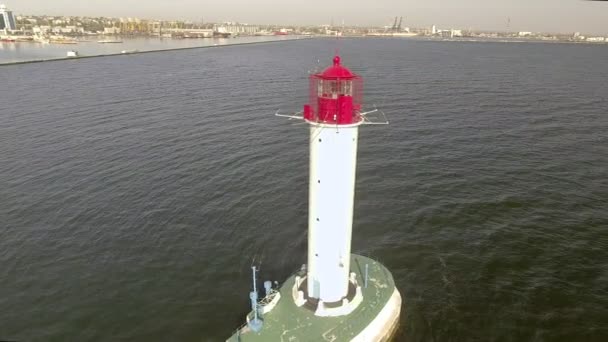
x,y
337,71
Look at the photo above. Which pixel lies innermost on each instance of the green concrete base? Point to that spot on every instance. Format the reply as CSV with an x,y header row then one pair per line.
x,y
376,318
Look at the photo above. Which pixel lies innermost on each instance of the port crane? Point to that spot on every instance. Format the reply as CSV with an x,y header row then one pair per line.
x,y
397,24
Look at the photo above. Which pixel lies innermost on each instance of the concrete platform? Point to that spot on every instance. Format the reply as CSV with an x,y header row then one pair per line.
x,y
376,318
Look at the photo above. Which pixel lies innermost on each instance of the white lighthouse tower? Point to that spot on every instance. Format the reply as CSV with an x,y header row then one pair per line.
x,y
335,101
337,296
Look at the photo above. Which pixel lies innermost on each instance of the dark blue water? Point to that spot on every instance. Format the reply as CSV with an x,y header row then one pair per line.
x,y
135,191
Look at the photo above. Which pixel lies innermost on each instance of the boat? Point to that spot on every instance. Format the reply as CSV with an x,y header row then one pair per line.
x,y
61,41
109,41
221,34
41,39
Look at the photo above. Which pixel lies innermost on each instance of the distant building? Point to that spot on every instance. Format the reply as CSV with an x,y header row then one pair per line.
x,y
525,34
7,20
235,29
41,30
111,30
596,39
444,33
68,30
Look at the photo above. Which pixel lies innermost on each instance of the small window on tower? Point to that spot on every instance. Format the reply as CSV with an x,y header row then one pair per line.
x,y
347,88
334,87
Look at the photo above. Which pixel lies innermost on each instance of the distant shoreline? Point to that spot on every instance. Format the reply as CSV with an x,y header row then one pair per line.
x,y
59,59
482,39
418,38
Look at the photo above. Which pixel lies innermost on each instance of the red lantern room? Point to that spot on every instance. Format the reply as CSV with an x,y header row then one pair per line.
x,y
335,96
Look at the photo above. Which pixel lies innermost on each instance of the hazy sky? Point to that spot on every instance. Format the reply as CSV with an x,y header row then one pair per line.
x,y
525,15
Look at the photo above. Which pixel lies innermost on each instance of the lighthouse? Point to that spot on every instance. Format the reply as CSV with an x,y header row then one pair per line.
x,y
332,113
336,295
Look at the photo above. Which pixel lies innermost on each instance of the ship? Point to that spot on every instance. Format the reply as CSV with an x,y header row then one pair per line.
x,y
62,41
217,34
336,295
109,41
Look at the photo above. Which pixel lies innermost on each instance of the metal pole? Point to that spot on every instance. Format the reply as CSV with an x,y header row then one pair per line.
x,y
256,323
254,303
253,270
366,272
